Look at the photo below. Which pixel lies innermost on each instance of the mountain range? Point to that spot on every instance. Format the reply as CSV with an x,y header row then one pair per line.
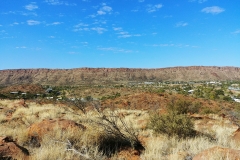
x,y
80,76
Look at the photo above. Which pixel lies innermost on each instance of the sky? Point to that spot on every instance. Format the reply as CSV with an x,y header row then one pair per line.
x,y
65,34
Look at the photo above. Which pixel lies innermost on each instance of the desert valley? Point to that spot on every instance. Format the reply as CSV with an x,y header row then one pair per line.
x,y
179,113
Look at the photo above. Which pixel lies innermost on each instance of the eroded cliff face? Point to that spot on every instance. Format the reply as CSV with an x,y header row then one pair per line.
x,y
106,75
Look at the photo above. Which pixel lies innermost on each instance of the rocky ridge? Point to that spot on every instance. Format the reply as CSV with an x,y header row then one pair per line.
x,y
106,75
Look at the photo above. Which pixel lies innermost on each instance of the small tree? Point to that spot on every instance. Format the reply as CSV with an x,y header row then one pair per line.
x,y
78,103
175,122
115,126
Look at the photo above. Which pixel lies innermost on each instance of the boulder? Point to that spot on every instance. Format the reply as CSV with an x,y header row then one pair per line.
x,y
37,130
128,154
236,136
218,153
11,150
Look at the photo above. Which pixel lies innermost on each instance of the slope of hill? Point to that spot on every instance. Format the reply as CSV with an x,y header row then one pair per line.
x,y
107,75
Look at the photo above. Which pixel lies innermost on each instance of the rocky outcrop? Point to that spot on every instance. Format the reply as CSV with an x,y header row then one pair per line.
x,y
106,75
236,136
37,130
11,150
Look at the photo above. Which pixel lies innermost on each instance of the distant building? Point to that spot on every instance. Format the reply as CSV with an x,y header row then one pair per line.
x,y
148,82
14,92
234,88
191,91
237,100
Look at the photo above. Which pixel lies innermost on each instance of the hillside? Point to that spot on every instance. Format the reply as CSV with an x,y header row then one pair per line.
x,y
111,75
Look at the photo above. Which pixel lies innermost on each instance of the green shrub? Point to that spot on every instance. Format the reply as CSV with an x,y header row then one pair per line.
x,y
180,106
172,124
207,111
183,106
194,108
227,98
175,122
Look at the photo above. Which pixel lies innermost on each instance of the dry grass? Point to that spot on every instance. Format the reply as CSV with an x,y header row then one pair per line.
x,y
68,145
163,147
2,117
89,143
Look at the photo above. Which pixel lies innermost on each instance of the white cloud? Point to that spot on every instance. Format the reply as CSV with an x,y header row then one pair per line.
x,y
134,10
92,16
124,34
57,2
107,8
236,32
168,16
31,7
33,22
54,2
127,35
181,24
85,27
153,8
104,10
117,28
54,24
98,21
100,30
213,10
14,24
101,12
29,14
84,43
21,47
199,1
202,1
21,13
81,27
113,49
173,45
73,52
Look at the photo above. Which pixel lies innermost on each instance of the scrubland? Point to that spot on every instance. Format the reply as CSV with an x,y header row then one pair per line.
x,y
111,133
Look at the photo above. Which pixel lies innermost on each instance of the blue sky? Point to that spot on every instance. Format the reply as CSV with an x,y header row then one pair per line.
x,y
119,33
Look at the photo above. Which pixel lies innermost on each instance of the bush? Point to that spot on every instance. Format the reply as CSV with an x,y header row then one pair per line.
x,y
183,106
180,106
207,110
171,124
194,108
227,98
175,122
117,131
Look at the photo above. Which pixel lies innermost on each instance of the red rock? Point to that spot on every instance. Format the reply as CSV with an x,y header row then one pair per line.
x,y
129,154
236,136
11,150
218,153
46,126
